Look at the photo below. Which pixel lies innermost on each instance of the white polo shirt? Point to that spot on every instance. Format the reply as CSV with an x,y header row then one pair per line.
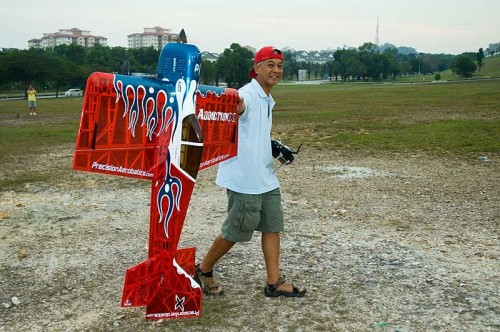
x,y
251,171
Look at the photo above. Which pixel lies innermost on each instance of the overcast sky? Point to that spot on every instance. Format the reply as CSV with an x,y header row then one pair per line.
x,y
429,26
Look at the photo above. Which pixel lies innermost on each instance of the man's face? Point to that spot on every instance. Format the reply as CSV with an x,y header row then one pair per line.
x,y
269,72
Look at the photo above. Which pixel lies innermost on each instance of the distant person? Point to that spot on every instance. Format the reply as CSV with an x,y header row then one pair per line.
x,y
31,93
254,198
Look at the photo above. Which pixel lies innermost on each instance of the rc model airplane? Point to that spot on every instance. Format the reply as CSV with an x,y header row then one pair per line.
x,y
163,129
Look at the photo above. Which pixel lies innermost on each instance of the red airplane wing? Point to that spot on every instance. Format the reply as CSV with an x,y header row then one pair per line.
x,y
104,142
217,112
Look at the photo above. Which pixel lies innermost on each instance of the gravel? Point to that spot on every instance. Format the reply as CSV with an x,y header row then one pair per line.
x,y
393,242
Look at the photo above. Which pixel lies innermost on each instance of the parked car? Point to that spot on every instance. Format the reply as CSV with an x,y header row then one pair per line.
x,y
73,93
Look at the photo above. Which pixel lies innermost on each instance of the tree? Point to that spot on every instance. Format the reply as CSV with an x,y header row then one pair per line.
x,y
98,59
493,49
74,53
144,60
366,54
314,70
64,73
390,63
290,66
355,68
404,67
117,56
234,65
343,58
480,58
208,72
463,66
67,66
26,66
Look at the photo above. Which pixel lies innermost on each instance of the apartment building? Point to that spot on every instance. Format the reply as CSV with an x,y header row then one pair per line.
x,y
156,37
67,37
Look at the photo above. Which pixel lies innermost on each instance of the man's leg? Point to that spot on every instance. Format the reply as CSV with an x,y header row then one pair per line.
x,y
219,248
271,250
203,274
273,223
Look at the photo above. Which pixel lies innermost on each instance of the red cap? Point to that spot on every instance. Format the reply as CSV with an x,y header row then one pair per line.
x,y
267,52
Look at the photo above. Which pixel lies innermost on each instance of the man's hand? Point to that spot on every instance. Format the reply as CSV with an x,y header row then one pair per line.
x,y
241,106
282,152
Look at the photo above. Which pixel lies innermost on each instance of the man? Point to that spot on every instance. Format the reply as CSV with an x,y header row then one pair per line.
x,y
254,198
31,93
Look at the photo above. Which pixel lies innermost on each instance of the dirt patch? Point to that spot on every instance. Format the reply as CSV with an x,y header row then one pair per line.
x,y
387,243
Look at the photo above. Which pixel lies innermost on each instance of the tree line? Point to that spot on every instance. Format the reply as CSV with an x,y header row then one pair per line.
x,y
366,62
68,66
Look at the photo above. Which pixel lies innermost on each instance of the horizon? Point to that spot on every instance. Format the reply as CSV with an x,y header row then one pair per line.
x,y
444,27
287,47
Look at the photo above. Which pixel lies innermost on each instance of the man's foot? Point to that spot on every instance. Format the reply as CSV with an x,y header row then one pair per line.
x,y
282,288
206,282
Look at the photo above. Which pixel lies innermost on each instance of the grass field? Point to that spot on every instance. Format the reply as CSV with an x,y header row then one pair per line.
x,y
491,68
460,118
456,118
56,123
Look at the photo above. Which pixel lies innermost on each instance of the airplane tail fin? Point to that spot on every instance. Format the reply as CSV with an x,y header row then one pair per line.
x,y
164,285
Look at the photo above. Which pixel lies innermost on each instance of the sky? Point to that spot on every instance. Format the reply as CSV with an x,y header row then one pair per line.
x,y
429,26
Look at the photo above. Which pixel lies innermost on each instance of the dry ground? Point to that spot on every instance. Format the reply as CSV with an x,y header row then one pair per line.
x,y
382,242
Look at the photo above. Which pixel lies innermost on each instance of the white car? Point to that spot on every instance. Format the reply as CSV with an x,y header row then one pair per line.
x,y
73,93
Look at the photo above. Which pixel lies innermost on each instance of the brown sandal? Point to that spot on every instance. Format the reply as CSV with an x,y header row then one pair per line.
x,y
208,289
271,290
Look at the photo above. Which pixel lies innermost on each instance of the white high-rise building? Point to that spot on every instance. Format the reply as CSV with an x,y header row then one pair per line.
x,y
156,37
67,37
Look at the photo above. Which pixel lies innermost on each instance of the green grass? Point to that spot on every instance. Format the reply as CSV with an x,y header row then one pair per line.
x,y
460,119
56,123
457,118
24,139
490,69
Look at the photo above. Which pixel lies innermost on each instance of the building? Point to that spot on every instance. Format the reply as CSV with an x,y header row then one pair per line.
x,y
156,37
320,57
209,56
67,37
